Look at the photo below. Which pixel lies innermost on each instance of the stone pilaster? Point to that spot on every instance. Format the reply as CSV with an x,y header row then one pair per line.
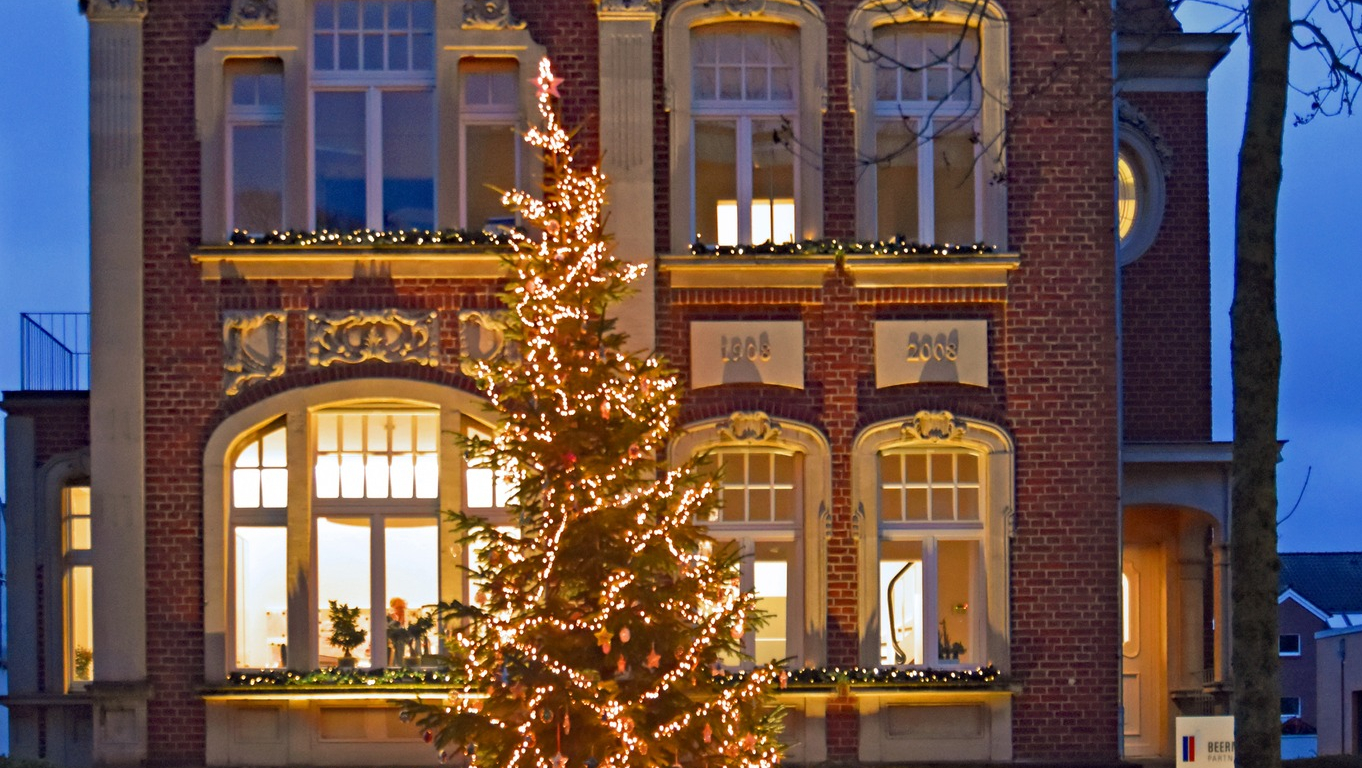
x,y
116,385
626,88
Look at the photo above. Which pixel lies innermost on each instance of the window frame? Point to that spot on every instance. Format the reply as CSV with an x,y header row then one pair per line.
x,y
1150,182
72,560
289,40
1299,709
940,431
295,409
990,118
1286,653
807,531
810,99
242,116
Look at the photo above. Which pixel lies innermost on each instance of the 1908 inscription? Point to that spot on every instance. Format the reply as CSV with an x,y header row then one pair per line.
x,y
734,349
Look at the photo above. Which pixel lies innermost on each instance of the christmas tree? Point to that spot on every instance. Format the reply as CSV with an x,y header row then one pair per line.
x,y
597,631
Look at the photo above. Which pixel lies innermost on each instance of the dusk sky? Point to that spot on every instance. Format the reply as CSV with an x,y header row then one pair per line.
x,y
44,254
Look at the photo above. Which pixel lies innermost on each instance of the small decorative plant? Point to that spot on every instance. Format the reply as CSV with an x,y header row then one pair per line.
x,y
345,632
83,660
945,649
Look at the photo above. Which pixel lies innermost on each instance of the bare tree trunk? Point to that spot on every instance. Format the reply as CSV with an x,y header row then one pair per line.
x,y
1256,358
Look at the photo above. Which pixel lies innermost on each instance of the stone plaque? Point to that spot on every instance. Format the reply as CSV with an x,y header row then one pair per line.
x,y
927,351
760,352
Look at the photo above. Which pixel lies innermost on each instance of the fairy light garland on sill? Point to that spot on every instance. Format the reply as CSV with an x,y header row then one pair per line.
x,y
834,247
805,679
369,238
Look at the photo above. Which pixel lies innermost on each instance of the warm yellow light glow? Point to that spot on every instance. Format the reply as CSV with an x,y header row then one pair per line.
x,y
772,220
1127,201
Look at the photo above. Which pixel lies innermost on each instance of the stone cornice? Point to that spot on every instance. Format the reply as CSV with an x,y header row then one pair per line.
x,y
115,10
346,263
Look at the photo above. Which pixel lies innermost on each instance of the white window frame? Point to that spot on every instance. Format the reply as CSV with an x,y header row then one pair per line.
x,y
807,531
1283,653
241,116
482,115
806,123
73,559
290,40
991,103
940,431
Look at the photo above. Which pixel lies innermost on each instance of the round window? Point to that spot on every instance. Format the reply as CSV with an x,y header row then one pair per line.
x,y
1139,195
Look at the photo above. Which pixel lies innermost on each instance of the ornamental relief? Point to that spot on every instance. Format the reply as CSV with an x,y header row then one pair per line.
x,y
933,427
607,7
251,14
388,336
482,339
749,427
252,348
489,14
96,10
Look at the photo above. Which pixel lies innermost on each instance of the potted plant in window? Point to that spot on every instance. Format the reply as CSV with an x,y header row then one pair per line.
x,y
83,662
945,649
345,632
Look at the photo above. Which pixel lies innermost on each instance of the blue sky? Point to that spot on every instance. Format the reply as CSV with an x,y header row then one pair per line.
x,y
44,254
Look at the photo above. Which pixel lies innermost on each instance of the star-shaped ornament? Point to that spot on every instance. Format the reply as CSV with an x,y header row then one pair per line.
x,y
548,85
603,636
559,760
652,660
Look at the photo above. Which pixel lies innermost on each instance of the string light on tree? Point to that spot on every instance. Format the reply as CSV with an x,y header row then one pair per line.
x,y
597,622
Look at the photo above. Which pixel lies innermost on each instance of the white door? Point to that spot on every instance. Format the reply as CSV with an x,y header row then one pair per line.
x,y
1144,694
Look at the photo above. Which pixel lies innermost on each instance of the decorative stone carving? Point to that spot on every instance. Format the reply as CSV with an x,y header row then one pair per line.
x,y
744,7
749,427
1010,522
97,10
605,9
251,14
857,519
389,336
1129,115
489,14
933,427
482,338
825,522
252,348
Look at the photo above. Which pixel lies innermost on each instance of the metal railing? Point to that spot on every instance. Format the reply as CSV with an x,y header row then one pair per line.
x,y
54,351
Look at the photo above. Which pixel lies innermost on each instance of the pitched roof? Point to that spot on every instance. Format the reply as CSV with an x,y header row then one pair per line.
x,y
1332,581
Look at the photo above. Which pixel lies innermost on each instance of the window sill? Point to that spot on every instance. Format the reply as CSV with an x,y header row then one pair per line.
x,y
866,270
347,262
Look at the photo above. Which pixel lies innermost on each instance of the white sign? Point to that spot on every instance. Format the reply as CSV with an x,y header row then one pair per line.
x,y
1204,741
758,352
924,351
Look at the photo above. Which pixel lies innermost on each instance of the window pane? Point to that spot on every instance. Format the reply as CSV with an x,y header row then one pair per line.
x,y
901,631
77,501
896,151
954,170
328,477
403,476
957,620
427,431
771,580
427,476
916,501
1127,195
352,432
916,464
716,213
257,178
340,160
411,577
773,210
274,449
408,160
80,609
261,597
343,573
246,488
376,477
328,428
967,501
490,165
352,475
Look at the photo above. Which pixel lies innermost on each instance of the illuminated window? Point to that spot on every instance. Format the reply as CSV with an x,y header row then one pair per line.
x,y
486,488
1139,190
927,96
255,145
1127,200
490,140
373,114
761,504
744,79
259,492
78,586
377,532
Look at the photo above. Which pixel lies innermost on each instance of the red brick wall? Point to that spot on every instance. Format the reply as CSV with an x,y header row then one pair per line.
x,y
1166,293
1052,375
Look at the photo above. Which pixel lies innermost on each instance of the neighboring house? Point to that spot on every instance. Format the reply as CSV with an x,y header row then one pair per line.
x,y
1320,596
975,436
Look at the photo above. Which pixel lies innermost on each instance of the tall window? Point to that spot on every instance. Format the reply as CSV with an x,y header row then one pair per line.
x,y
744,79
489,140
374,114
255,145
931,568
927,100
78,586
259,543
761,497
377,534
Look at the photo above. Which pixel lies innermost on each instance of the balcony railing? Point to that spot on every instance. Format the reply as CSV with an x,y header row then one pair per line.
x,y
54,351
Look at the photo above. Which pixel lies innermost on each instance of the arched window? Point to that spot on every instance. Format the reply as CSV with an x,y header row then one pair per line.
x,y
929,91
772,498
935,586
259,550
745,92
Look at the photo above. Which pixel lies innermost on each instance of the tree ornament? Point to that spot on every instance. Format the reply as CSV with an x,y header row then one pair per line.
x,y
569,459
736,631
427,736
707,734
625,634
653,659
603,636
622,665
749,742
605,409
635,451
643,747
784,678
559,760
